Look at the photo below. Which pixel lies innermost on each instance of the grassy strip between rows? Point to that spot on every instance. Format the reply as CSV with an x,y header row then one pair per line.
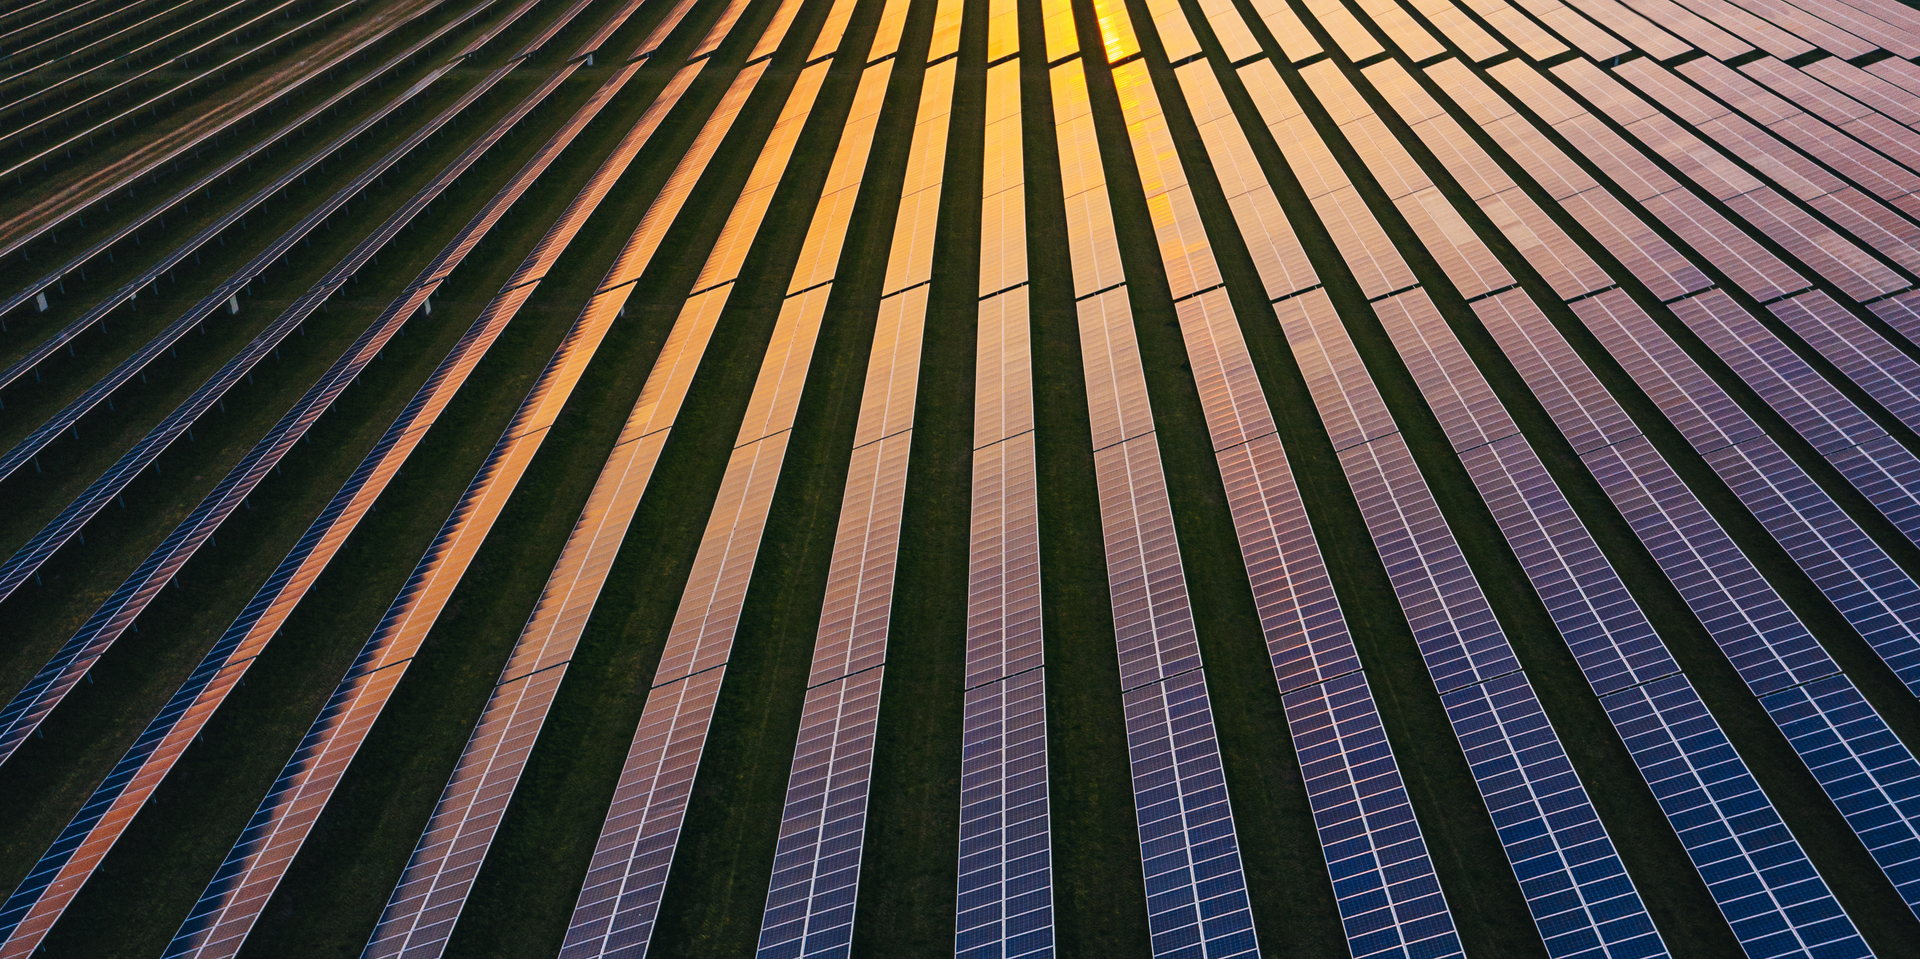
x,y
909,872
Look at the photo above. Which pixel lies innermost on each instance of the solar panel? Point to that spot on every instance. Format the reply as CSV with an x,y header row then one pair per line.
x,y
1004,903
1196,889
1839,430
817,862
620,898
1732,833
1768,646
1005,906
1619,652
261,148
22,715
1750,168
1573,880
1389,897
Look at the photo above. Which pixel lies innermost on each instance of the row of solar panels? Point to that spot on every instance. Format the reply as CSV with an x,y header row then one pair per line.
x,y
1467,268
1108,241
31,53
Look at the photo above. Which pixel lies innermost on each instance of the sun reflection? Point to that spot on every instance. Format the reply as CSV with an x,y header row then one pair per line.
x,y
1116,30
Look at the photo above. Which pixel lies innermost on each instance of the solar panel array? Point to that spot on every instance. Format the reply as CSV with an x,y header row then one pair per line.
x,y
621,897
241,888
1515,253
816,864
75,265
31,910
1767,643
1576,886
1004,904
1390,897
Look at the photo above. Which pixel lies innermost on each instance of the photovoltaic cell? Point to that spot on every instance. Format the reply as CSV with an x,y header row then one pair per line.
x,y
1889,376
1622,657
31,910
1877,597
1005,906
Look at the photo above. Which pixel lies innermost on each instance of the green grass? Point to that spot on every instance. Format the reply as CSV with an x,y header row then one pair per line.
x,y
1098,890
